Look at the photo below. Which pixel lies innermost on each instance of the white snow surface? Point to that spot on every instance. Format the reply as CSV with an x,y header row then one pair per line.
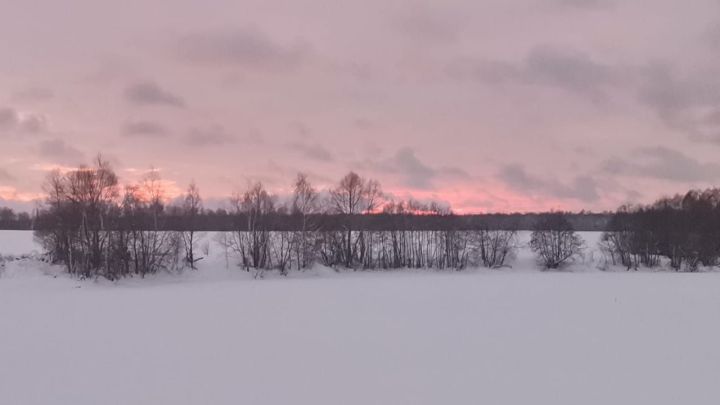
x,y
17,243
217,336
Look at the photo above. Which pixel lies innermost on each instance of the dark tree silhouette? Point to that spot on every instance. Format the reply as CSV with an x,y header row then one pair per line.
x,y
191,211
554,240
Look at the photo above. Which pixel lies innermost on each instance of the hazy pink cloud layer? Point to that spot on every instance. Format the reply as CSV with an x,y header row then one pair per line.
x,y
486,105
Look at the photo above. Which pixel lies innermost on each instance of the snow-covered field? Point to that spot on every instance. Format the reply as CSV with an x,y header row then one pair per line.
x,y
216,336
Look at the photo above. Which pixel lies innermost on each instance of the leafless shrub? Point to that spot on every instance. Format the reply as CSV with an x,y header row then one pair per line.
x,y
554,241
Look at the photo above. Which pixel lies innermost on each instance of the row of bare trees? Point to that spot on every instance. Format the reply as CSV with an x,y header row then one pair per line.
x,y
96,227
348,244
99,229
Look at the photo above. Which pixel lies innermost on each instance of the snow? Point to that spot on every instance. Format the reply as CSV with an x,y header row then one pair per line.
x,y
16,243
216,336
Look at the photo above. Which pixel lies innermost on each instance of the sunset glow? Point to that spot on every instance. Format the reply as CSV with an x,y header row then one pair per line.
x,y
449,101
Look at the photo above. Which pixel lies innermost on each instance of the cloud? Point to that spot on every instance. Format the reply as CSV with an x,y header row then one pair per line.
x,y
5,175
150,93
663,164
414,172
687,104
212,136
314,151
583,188
712,36
364,124
712,117
31,94
33,123
14,121
145,129
567,69
427,25
585,4
417,174
247,48
8,118
57,151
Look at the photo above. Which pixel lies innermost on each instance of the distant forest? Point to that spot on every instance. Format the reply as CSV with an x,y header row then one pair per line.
x,y
220,220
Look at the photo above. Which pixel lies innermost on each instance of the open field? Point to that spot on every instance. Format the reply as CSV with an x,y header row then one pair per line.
x,y
216,336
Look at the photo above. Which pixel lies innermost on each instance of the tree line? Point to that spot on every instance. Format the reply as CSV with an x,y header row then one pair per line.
x,y
15,221
98,228
224,220
683,230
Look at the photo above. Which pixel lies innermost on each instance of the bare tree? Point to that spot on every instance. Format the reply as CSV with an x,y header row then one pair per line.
x,y
304,204
79,202
149,247
253,242
154,194
354,195
554,240
493,247
191,210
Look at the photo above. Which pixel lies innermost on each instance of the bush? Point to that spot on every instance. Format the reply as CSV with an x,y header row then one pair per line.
x,y
554,241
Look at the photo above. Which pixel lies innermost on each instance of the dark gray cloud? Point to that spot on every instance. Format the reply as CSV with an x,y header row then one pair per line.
x,y
416,173
305,146
427,25
668,93
664,164
685,103
413,172
8,118
212,136
244,47
582,188
13,121
314,151
58,151
144,129
568,69
150,93
33,123
5,175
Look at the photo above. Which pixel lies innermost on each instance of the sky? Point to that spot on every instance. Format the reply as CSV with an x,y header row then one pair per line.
x,y
489,106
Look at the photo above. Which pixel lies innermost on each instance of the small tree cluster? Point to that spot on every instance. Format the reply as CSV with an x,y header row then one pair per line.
x,y
684,230
555,241
99,231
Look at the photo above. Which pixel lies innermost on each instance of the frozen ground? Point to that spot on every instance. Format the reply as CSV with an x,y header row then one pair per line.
x,y
215,336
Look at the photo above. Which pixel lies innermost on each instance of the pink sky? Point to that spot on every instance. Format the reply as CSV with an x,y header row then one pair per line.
x,y
488,105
